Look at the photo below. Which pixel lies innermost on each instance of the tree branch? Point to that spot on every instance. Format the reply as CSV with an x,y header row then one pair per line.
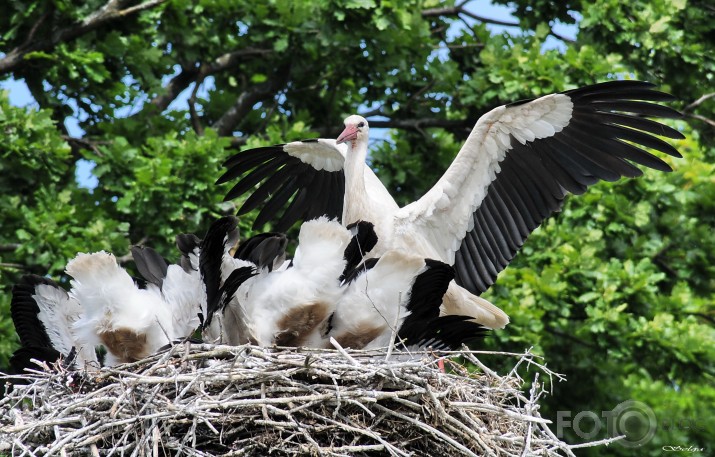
x,y
196,73
195,120
10,247
36,27
487,20
561,37
374,112
237,142
702,316
243,105
232,58
417,125
459,9
172,90
109,12
659,259
701,118
698,102
245,102
459,46
84,143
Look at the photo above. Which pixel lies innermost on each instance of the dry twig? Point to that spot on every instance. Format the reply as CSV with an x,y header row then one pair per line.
x,y
202,400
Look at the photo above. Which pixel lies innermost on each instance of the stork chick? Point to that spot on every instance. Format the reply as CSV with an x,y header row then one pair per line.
x,y
130,322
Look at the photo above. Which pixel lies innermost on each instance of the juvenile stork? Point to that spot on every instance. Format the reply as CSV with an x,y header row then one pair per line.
x,y
130,322
398,296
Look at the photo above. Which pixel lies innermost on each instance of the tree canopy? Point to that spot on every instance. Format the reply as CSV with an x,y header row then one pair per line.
x,y
616,291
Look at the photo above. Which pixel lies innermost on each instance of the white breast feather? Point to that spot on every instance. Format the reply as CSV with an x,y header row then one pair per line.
x,y
379,297
182,291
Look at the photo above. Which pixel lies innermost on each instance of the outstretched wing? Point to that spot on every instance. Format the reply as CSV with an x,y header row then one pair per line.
x,y
521,160
307,176
44,316
25,313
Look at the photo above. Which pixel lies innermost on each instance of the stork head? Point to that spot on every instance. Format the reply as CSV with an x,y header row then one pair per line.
x,y
356,129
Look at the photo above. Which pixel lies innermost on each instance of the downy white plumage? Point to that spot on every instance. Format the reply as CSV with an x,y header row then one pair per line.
x,y
398,296
513,171
253,296
286,307
325,292
374,300
253,260
267,300
180,290
130,322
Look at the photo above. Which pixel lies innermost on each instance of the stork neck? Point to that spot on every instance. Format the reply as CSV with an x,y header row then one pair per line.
x,y
355,165
355,193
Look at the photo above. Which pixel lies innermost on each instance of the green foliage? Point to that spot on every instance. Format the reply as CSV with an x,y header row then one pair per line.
x,y
616,291
624,298
137,183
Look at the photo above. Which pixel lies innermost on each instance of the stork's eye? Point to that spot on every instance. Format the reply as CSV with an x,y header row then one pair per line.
x,y
361,125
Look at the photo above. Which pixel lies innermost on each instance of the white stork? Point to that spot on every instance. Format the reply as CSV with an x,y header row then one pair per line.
x,y
325,291
130,322
513,171
266,301
287,306
398,296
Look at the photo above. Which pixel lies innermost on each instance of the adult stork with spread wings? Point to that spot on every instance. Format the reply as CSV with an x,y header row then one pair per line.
x,y
513,171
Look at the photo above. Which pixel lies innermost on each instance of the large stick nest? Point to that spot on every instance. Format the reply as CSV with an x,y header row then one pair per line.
x,y
201,400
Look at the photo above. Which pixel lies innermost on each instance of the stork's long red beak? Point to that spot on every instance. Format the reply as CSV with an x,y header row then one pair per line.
x,y
349,134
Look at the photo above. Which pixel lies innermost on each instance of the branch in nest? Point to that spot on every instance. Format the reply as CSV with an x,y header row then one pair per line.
x,y
210,400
